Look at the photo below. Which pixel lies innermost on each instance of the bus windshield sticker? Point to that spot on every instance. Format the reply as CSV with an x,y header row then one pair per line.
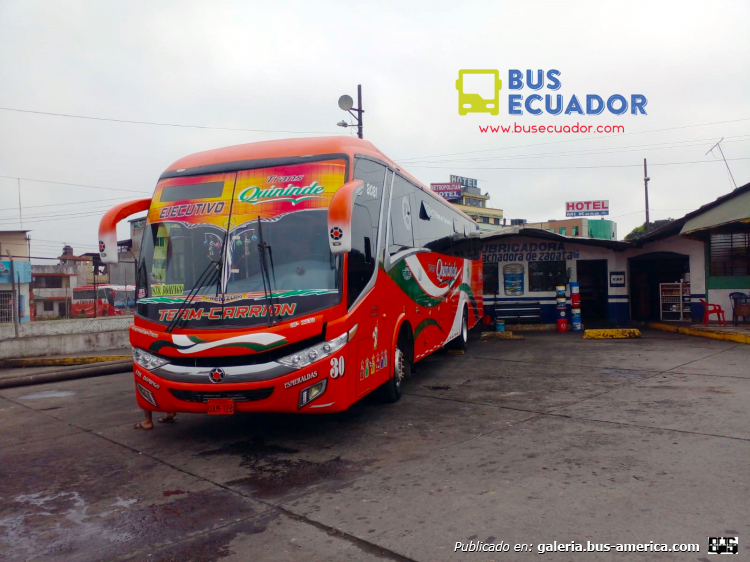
x,y
161,290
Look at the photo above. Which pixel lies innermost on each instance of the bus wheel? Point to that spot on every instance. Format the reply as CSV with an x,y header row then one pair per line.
x,y
390,392
461,341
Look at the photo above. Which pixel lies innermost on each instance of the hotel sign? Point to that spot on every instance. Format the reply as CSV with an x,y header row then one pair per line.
x,y
450,190
586,208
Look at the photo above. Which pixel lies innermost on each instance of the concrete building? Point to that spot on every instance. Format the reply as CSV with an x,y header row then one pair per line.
x,y
602,229
52,288
15,291
475,204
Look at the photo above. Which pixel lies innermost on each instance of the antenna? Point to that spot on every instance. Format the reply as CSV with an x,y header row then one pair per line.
x,y
718,144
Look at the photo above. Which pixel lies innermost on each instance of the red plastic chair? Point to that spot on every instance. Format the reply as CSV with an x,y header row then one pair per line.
x,y
709,309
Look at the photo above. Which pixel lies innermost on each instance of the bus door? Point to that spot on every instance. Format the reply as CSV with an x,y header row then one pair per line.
x,y
369,358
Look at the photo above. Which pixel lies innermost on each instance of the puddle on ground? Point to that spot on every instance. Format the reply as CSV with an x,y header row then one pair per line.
x,y
47,394
275,471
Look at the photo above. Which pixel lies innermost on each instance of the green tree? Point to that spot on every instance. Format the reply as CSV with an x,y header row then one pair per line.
x,y
639,231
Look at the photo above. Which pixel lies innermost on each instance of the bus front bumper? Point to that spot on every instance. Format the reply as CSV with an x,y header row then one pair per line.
x,y
316,388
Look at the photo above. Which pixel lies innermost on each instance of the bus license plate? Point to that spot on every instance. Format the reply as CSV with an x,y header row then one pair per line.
x,y
221,407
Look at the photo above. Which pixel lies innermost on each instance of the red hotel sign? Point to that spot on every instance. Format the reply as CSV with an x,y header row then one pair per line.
x,y
586,208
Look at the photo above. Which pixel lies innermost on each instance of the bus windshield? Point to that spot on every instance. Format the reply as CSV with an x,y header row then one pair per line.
x,y
208,250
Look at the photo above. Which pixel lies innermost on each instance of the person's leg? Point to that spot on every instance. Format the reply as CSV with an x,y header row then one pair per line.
x,y
147,423
169,418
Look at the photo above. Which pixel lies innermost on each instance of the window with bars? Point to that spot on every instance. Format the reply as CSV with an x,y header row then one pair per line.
x,y
730,254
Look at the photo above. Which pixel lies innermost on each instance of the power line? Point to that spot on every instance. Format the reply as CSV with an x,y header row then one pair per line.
x,y
65,217
154,123
575,167
64,204
588,152
60,214
78,185
575,140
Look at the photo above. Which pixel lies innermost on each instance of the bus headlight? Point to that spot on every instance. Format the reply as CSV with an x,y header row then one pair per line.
x,y
147,360
314,353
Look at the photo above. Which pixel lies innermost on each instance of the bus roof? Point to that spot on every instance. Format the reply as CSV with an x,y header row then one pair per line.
x,y
285,148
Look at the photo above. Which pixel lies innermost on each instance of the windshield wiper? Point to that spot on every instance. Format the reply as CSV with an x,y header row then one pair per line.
x,y
262,247
205,279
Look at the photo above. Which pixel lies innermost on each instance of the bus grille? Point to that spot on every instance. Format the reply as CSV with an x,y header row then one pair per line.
x,y
236,395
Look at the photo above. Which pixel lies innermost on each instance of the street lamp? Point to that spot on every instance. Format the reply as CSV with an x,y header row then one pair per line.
x,y
346,103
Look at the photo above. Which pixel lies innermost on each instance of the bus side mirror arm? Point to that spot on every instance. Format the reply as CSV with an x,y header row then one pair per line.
x,y
108,226
340,214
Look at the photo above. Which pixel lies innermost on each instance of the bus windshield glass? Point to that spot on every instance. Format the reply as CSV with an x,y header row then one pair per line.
x,y
207,236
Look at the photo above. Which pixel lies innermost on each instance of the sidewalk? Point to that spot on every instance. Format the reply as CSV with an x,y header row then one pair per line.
x,y
739,333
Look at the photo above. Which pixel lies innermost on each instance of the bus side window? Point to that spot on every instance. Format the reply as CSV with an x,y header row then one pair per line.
x,y
365,218
432,225
401,235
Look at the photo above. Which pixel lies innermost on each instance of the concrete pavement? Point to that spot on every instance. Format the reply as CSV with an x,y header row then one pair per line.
x,y
551,438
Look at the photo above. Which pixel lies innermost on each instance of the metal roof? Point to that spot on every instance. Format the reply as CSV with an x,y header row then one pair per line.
x,y
540,233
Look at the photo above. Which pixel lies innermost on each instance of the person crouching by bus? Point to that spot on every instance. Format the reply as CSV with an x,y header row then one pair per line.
x,y
148,423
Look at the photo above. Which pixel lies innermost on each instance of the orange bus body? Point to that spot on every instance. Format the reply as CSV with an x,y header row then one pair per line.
x,y
234,347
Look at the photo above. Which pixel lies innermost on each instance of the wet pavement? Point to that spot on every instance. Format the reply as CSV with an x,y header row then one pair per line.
x,y
551,438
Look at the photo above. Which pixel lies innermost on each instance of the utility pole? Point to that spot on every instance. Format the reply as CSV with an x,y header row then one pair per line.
x,y
360,111
646,179
346,103
718,144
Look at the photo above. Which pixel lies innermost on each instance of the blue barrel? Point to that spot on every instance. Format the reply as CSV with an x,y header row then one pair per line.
x,y
513,279
562,312
560,289
500,325
575,319
575,288
562,301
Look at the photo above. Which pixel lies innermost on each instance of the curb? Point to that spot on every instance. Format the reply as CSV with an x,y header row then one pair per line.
x,y
702,332
612,334
531,327
501,336
71,373
60,361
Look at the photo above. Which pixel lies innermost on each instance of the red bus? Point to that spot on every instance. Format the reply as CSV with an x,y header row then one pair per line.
x,y
293,276
83,301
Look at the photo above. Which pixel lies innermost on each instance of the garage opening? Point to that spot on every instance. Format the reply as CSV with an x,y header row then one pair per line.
x,y
647,271
592,277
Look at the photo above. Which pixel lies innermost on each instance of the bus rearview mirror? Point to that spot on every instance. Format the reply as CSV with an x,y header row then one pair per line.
x,y
340,217
108,227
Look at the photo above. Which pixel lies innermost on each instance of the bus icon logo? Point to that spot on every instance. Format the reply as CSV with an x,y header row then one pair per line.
x,y
479,91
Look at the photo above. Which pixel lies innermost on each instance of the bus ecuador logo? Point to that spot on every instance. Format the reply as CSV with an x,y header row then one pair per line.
x,y
479,91
291,193
216,375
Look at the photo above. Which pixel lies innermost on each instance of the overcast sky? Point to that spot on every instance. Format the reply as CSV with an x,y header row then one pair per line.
x,y
281,66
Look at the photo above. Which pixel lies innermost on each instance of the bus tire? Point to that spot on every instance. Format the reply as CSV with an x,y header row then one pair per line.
x,y
390,391
461,341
